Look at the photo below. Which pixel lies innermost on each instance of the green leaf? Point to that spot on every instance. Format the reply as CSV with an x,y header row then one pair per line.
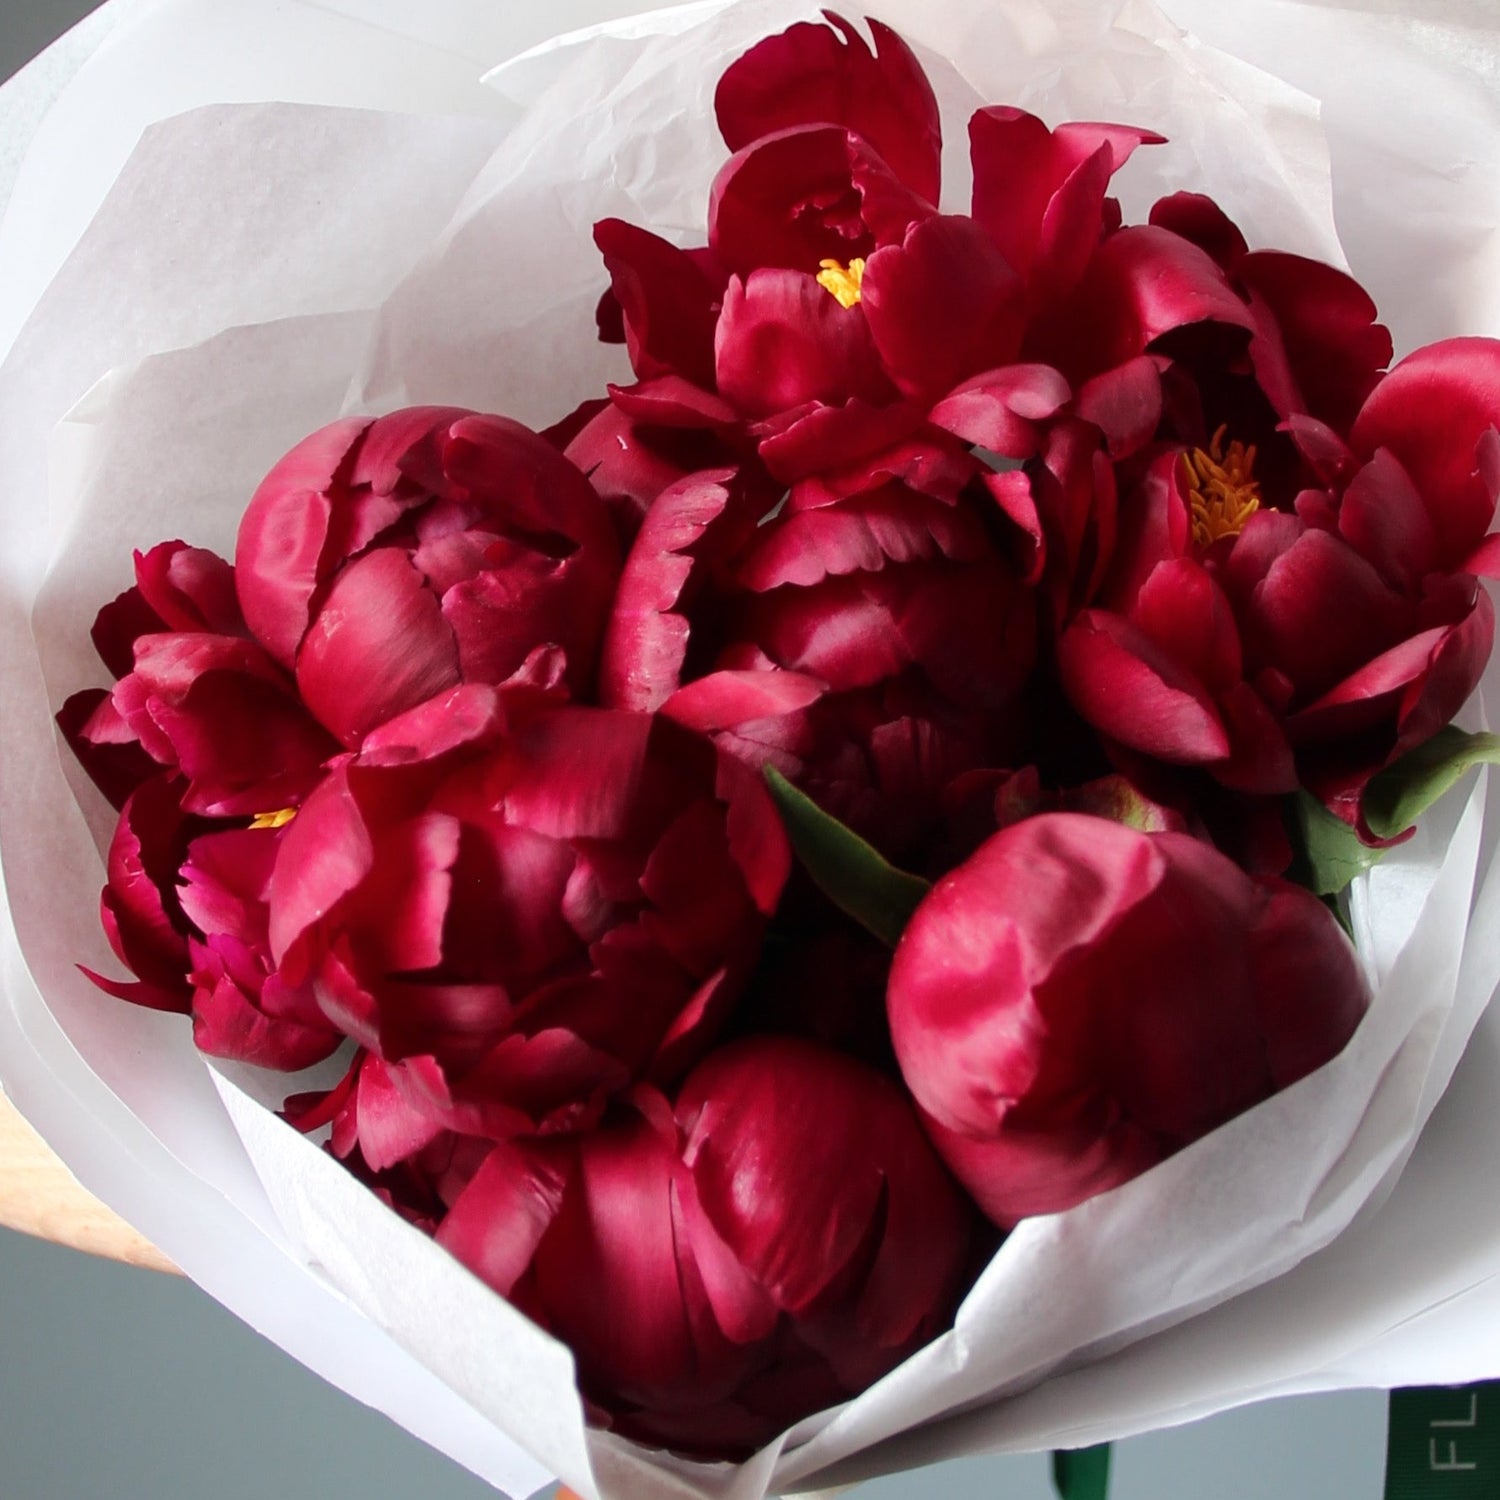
x,y
1331,852
1401,793
847,870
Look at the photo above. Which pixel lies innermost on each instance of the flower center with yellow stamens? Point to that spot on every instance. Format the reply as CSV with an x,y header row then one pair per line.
x,y
1222,491
844,282
278,819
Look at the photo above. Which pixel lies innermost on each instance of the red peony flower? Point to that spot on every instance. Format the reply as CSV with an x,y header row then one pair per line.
x,y
784,1239
872,646
195,694
1078,1000
185,909
1278,638
522,907
386,561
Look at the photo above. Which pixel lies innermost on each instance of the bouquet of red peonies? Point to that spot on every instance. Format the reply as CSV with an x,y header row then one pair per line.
x,y
784,783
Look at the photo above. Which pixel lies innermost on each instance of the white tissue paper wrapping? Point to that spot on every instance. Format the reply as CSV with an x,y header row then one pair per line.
x,y
230,222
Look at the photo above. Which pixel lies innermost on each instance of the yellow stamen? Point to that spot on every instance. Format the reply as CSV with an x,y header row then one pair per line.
x,y
278,819
1222,490
843,281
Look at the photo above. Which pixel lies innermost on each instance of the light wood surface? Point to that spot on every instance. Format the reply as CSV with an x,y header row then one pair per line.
x,y
38,1195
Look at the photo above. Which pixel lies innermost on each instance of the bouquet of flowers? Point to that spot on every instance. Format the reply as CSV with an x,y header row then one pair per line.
x,y
812,742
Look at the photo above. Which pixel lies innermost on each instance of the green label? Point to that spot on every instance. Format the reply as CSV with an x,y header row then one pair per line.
x,y
1081,1473
1444,1443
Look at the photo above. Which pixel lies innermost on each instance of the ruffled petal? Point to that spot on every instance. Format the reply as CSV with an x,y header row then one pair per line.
x,y
942,306
784,341
1431,412
812,74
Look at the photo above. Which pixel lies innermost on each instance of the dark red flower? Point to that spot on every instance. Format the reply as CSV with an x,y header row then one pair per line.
x,y
196,694
1311,638
1041,195
523,907
785,1239
872,647
1078,1000
386,561
186,911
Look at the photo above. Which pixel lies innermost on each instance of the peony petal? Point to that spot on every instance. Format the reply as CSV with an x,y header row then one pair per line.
x,y
1320,611
1128,688
1198,218
1326,322
668,303
835,437
326,851
189,589
1000,409
1125,404
942,306
1143,283
1382,516
860,535
727,699
496,1224
812,74
1431,412
104,745
379,645
139,908
797,197
1186,613
646,639
1310,991
1039,194
779,1137
227,1024
784,341
279,555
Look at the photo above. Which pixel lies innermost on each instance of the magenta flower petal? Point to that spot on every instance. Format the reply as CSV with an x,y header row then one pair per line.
x,y
813,74
1431,412
325,853
1326,322
888,525
378,646
667,300
797,197
784,341
801,1155
498,1221
1128,688
1001,409
1039,194
1079,999
1382,516
942,306
283,533
189,589
142,920
647,637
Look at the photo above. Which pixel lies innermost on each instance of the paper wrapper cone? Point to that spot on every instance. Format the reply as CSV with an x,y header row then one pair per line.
x,y
406,222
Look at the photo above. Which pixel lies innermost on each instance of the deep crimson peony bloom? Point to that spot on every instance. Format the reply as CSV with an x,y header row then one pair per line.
x,y
206,748
386,560
185,909
523,907
1078,1000
783,1239
195,694
872,646
1278,638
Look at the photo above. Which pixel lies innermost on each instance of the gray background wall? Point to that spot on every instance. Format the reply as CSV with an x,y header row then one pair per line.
x,y
118,1384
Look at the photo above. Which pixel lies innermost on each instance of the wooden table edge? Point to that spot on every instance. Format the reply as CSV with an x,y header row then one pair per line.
x,y
40,1196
